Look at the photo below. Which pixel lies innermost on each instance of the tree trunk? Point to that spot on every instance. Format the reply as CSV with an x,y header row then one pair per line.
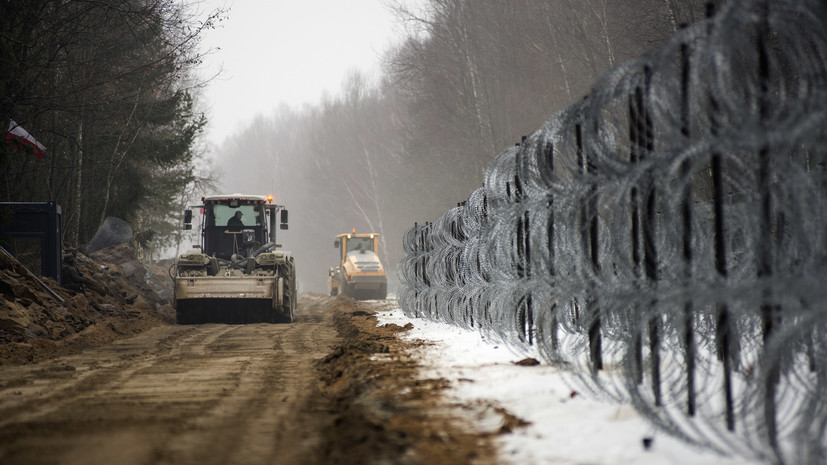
x,y
78,186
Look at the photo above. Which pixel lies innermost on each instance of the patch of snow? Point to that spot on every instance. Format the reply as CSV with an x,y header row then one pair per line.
x,y
564,427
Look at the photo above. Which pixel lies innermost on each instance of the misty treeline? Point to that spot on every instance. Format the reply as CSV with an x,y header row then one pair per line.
x,y
470,79
108,86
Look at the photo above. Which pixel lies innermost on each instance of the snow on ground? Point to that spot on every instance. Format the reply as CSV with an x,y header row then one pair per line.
x,y
564,428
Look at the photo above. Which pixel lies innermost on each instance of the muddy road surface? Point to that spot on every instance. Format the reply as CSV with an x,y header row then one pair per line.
x,y
329,388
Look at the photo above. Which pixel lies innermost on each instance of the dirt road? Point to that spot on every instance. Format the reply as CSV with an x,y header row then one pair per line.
x,y
329,388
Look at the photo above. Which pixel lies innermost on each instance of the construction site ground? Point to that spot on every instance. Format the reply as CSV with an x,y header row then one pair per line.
x,y
121,383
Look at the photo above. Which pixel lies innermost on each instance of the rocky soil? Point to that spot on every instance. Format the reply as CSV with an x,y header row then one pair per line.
x,y
121,298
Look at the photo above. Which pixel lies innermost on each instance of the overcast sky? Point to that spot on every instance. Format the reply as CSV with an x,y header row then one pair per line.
x,y
288,51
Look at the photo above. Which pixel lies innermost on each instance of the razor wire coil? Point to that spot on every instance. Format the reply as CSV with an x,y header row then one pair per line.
x,y
664,238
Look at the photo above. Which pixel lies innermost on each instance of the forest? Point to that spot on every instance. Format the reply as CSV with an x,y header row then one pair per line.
x,y
110,88
470,79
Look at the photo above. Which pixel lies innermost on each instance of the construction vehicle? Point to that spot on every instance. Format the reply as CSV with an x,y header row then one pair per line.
x,y
238,274
360,273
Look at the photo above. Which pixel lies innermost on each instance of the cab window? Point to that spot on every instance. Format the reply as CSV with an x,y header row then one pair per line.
x,y
220,214
354,243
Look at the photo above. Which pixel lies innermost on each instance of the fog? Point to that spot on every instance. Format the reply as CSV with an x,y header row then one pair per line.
x,y
383,153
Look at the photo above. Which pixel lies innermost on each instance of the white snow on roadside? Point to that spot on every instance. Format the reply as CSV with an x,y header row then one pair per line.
x,y
564,429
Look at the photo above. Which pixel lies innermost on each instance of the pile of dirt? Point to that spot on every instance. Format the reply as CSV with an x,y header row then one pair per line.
x,y
384,412
119,297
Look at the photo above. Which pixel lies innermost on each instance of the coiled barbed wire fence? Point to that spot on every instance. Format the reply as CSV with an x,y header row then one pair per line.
x,y
665,238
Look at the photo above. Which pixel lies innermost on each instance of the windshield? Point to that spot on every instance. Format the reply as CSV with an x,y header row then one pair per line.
x,y
354,243
219,215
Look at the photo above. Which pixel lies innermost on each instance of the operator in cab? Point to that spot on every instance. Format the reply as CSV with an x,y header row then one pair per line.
x,y
235,222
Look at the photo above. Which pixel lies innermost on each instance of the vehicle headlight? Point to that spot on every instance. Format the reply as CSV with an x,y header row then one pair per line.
x,y
193,259
264,259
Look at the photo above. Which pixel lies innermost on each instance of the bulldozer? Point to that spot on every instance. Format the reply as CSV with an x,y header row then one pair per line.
x,y
238,273
360,274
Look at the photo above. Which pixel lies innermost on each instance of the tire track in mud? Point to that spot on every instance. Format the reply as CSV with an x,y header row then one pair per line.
x,y
202,394
251,423
329,388
48,386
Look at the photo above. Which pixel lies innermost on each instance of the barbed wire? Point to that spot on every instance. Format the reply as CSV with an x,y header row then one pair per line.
x,y
664,239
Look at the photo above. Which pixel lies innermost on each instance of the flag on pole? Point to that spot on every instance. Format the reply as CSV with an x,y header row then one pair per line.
x,y
20,138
